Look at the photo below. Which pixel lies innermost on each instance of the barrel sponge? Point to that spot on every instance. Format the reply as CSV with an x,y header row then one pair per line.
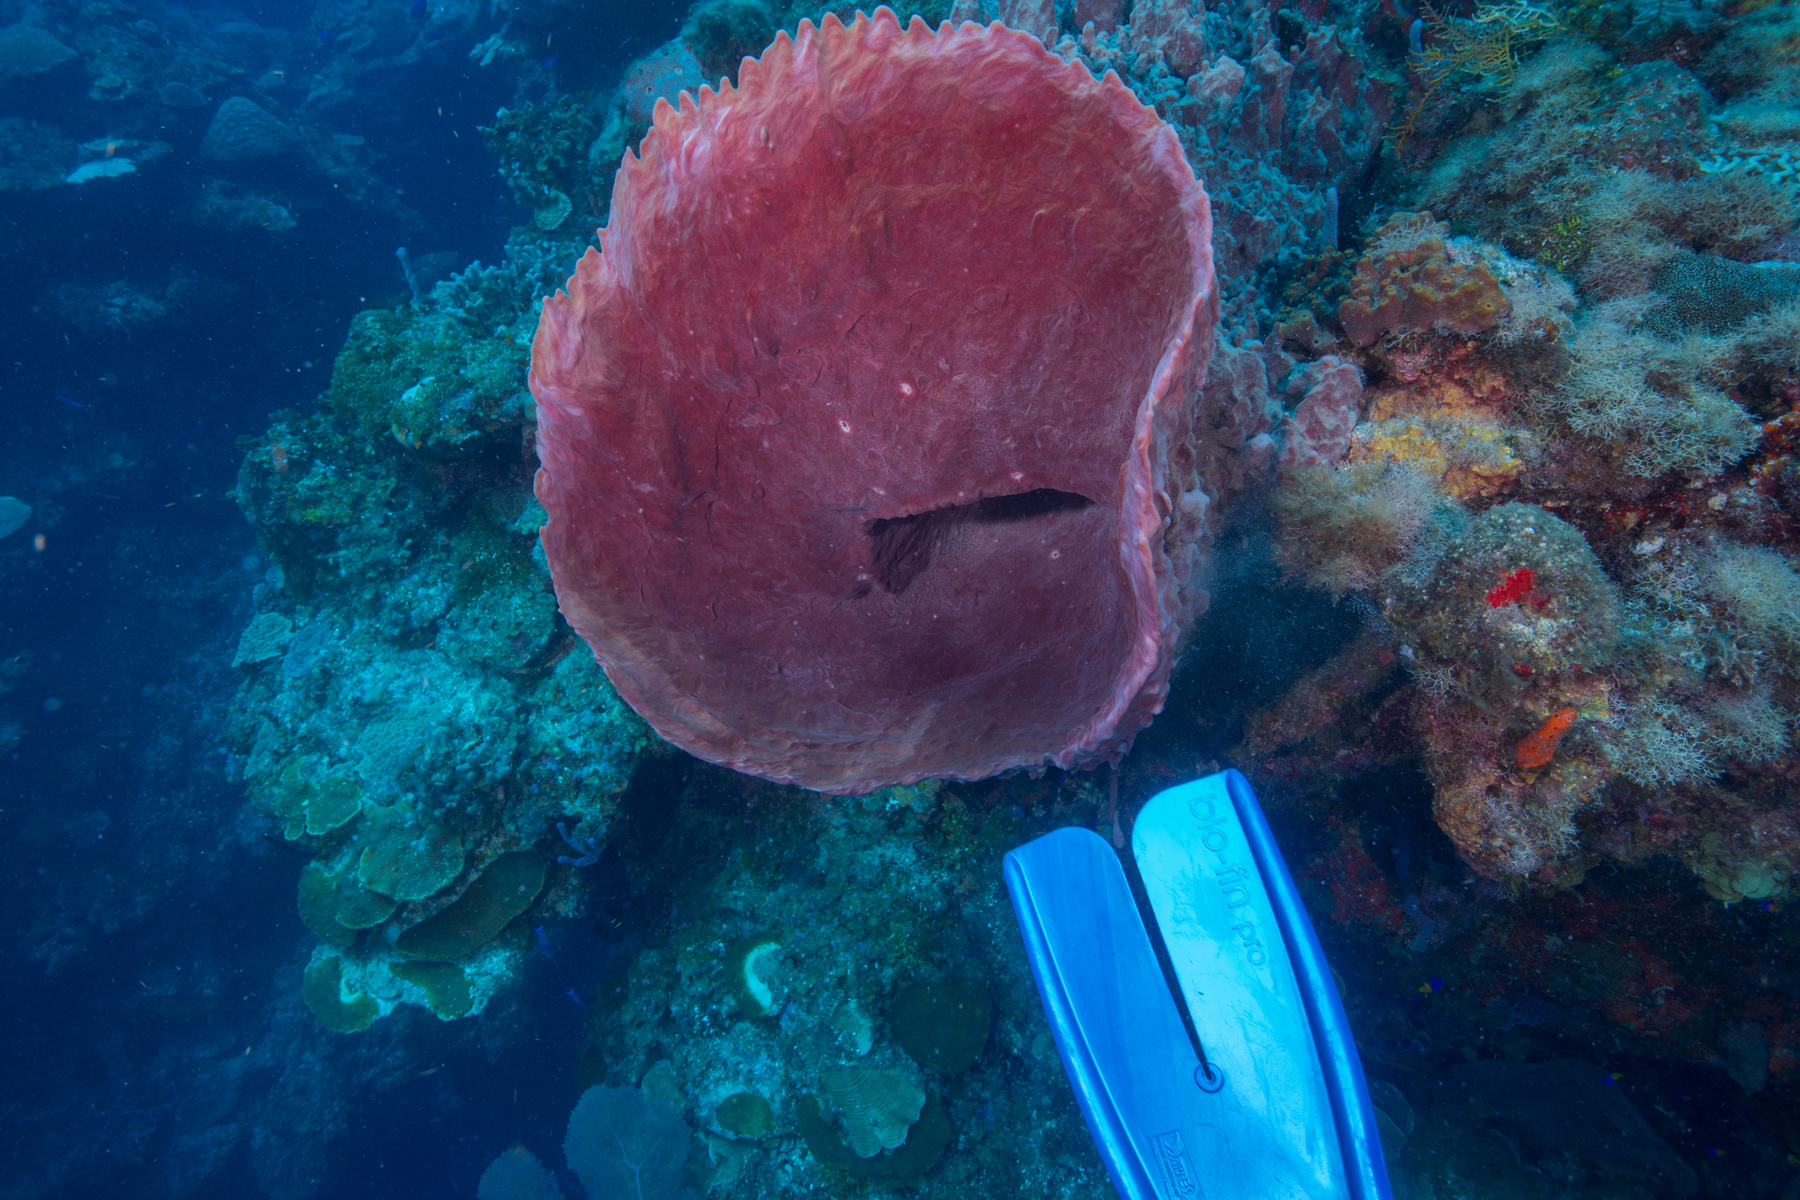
x,y
901,493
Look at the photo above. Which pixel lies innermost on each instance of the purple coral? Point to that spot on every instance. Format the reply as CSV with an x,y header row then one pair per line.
x,y
587,848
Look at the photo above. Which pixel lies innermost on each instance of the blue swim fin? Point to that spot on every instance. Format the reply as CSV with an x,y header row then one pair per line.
x,y
1283,1113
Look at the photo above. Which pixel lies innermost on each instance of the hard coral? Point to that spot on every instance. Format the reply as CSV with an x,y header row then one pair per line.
x,y
1511,668
1443,407
1708,294
1407,281
424,720
909,491
27,50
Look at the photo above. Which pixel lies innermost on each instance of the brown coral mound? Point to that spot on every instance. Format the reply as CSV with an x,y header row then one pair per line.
x,y
865,437
1408,281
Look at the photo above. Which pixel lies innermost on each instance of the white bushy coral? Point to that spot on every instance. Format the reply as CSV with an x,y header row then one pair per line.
x,y
1659,401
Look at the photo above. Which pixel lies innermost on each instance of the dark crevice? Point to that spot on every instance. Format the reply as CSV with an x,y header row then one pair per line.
x,y
900,548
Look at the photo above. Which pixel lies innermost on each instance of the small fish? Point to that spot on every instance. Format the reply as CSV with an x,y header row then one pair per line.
x,y
579,1002
324,36
543,943
1431,985
71,403
1537,748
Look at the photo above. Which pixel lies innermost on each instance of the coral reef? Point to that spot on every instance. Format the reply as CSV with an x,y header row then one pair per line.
x,y
1407,281
546,153
1507,371
1548,505
902,1039
412,709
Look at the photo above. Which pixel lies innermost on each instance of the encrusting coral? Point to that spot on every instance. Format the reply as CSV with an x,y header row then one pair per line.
x,y
1408,281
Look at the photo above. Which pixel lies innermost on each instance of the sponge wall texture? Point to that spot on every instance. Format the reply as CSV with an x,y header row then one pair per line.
x,y
864,436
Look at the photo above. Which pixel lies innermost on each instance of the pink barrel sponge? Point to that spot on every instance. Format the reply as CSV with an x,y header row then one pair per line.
x,y
865,437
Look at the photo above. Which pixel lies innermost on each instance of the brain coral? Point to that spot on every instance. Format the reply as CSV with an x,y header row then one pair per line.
x,y
866,437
